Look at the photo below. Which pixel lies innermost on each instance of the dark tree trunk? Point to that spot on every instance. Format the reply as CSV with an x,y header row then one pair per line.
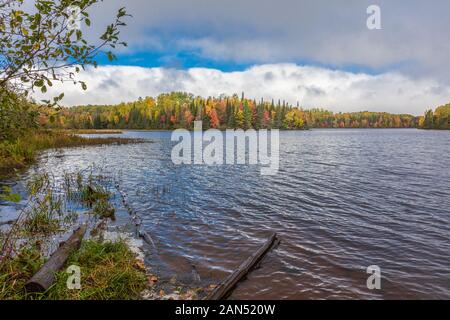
x,y
224,289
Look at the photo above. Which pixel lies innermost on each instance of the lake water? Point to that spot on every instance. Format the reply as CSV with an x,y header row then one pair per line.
x,y
342,200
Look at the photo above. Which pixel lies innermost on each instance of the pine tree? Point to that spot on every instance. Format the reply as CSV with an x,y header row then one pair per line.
x,y
232,118
247,116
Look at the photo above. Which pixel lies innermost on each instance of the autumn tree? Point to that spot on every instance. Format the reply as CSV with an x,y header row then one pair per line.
x,y
294,119
439,119
178,109
429,121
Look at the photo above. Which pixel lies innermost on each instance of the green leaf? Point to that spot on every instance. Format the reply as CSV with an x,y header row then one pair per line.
x,y
110,56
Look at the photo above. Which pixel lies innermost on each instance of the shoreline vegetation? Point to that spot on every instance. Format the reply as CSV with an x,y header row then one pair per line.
x,y
18,153
111,260
110,268
437,120
89,131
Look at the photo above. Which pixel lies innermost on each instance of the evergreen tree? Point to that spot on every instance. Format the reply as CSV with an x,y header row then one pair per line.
x,y
247,116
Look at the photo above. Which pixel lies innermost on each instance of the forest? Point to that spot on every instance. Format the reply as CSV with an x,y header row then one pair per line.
x,y
439,119
179,110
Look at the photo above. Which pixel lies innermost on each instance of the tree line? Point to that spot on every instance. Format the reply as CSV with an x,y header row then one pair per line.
x,y
439,119
179,110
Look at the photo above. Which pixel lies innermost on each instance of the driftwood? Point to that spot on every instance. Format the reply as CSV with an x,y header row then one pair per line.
x,y
44,278
225,288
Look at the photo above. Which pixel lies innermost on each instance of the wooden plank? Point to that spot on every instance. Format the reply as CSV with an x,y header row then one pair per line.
x,y
224,289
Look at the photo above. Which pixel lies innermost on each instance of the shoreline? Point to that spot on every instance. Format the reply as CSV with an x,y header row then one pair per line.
x,y
101,131
119,245
18,154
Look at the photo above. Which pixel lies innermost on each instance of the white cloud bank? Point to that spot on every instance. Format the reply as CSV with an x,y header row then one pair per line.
x,y
413,39
311,86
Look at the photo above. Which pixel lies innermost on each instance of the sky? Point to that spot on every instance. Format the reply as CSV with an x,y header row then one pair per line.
x,y
318,53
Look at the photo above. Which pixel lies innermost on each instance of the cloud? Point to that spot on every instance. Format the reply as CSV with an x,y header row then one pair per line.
x,y
413,39
310,86
403,66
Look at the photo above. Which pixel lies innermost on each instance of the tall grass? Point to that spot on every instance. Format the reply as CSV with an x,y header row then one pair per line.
x,y
22,151
15,272
110,270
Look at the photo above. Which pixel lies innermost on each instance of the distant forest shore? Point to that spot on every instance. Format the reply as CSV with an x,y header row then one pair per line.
x,y
180,110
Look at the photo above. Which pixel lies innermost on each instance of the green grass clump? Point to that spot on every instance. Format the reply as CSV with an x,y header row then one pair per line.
x,y
91,193
109,271
41,223
15,272
104,209
6,194
97,197
45,215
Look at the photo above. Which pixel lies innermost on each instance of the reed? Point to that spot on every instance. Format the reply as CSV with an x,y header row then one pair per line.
x,y
22,151
110,270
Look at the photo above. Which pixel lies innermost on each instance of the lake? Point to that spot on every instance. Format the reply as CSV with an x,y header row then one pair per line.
x,y
343,200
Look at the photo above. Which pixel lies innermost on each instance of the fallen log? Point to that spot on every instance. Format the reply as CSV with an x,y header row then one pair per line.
x,y
44,278
224,289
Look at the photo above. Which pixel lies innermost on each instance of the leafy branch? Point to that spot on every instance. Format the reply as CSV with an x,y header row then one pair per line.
x,y
40,47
